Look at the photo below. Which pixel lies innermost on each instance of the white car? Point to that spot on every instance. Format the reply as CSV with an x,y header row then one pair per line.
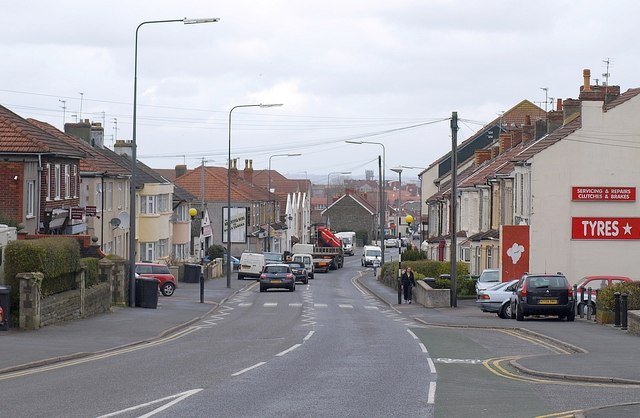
x,y
391,242
497,298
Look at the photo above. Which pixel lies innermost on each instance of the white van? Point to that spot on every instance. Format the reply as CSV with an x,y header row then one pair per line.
x,y
251,265
370,253
307,260
348,241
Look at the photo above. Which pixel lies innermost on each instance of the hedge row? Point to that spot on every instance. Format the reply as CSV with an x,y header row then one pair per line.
x,y
606,301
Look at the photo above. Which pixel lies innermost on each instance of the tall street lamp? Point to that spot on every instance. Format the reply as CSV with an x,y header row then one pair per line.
x,y
269,190
327,207
229,263
132,198
383,200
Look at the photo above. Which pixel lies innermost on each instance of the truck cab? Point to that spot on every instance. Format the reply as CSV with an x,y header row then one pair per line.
x,y
348,241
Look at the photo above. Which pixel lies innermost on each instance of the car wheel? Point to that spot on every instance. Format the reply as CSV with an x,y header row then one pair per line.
x,y
262,289
519,313
240,276
571,316
292,288
513,311
167,289
506,311
306,281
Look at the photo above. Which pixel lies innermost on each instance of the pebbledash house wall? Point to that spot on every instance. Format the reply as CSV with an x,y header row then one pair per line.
x,y
591,156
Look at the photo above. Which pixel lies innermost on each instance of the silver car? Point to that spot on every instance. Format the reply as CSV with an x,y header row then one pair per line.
x,y
497,298
488,278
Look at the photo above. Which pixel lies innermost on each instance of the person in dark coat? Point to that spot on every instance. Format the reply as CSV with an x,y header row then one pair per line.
x,y
408,281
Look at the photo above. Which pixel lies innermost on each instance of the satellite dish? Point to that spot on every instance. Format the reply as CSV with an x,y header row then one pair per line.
x,y
115,222
124,220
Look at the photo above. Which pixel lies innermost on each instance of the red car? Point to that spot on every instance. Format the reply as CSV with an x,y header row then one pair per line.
x,y
161,272
595,283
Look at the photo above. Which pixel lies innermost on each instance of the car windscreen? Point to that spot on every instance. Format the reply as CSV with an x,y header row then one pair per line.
x,y
276,269
297,265
489,276
373,253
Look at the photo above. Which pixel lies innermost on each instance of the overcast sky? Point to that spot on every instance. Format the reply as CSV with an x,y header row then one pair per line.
x,y
372,70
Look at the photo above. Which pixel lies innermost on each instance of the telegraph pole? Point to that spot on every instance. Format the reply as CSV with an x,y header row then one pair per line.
x,y
454,192
382,208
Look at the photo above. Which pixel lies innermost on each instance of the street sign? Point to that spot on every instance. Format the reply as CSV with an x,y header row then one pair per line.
x,y
76,213
90,210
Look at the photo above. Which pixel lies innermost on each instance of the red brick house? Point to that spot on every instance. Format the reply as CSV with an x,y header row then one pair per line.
x,y
39,176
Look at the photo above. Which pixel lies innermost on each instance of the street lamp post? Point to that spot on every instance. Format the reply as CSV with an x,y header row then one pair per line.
x,y
269,190
383,200
326,219
420,178
229,264
132,196
398,203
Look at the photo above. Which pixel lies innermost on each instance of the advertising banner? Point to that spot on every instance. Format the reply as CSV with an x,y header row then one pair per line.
x,y
599,228
238,225
514,251
603,194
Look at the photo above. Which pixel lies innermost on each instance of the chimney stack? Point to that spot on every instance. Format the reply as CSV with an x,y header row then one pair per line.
x,y
181,170
505,140
248,171
586,75
528,130
480,156
234,170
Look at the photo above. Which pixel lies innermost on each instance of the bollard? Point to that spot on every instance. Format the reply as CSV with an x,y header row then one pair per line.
x,y
595,318
575,298
580,304
588,305
201,287
623,309
616,298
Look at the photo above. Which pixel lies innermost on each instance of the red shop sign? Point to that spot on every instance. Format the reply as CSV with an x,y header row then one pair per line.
x,y
601,193
605,228
76,213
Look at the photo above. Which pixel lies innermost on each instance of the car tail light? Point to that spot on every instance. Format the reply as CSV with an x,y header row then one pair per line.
x,y
483,296
289,276
523,291
263,276
570,293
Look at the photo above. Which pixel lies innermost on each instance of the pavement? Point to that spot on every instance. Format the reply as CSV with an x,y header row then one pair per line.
x,y
603,351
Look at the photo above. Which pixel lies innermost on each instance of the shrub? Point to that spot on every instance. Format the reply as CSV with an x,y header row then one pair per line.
x,y
413,254
216,251
465,286
58,258
91,271
605,300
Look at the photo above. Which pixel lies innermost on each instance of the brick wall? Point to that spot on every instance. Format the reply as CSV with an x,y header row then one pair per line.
x,y
12,193
60,307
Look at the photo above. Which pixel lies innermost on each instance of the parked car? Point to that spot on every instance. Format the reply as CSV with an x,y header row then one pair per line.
x,y
497,298
277,276
595,283
307,260
167,284
235,262
488,278
300,271
543,294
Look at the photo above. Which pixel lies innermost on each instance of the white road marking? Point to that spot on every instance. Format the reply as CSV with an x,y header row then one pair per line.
x,y
288,350
458,361
415,337
432,367
423,348
295,305
431,398
249,368
308,336
320,305
372,307
270,304
176,398
346,306
245,304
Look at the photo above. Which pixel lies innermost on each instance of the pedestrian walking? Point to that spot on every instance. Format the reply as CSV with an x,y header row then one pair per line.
x,y
408,281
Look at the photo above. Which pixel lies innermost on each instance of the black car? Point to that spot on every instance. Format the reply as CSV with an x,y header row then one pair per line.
x,y
300,271
277,276
543,294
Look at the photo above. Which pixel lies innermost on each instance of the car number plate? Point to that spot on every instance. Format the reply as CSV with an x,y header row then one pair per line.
x,y
275,280
548,302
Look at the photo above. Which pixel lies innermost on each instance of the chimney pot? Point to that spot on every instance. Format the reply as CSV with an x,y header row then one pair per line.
x,y
586,75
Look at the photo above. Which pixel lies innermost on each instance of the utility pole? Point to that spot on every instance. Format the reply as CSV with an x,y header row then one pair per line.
x,y
382,207
64,111
454,192
202,249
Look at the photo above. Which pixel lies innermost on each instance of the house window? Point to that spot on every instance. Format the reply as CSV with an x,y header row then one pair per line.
x,y
489,256
47,181
148,251
67,181
148,204
163,248
180,251
31,198
109,196
164,203
98,201
76,187
57,181
120,195
181,213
